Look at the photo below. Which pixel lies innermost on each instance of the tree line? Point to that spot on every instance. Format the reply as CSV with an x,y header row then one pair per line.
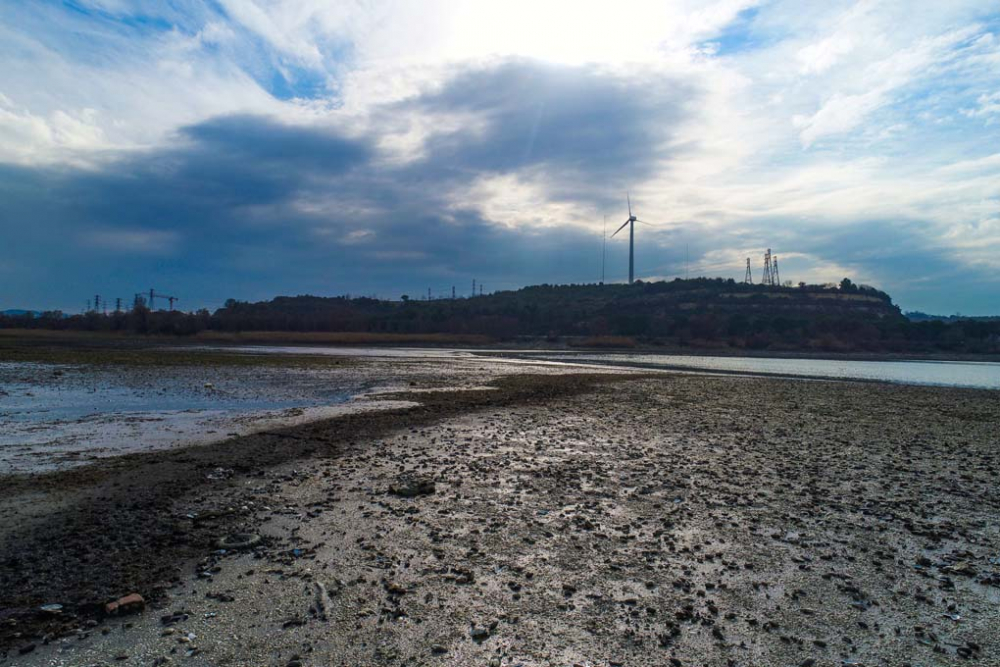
x,y
700,313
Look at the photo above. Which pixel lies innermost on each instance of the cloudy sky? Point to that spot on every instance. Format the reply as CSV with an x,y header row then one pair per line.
x,y
248,148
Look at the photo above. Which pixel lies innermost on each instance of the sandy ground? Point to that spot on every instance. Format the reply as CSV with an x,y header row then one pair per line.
x,y
557,520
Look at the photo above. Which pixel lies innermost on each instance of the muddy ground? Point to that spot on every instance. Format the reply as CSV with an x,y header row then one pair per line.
x,y
557,520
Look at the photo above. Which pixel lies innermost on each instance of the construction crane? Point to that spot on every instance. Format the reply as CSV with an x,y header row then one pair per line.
x,y
153,295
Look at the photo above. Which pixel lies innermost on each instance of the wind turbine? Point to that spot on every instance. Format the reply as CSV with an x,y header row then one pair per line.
x,y
631,238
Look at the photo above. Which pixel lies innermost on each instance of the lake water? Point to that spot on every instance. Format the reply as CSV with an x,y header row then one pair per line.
x,y
972,374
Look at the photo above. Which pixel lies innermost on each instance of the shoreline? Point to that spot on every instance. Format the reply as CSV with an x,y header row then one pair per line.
x,y
31,344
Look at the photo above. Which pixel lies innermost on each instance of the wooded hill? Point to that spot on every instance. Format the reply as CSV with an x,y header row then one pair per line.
x,y
699,313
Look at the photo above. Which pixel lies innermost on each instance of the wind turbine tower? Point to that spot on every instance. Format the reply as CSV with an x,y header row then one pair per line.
x,y
631,239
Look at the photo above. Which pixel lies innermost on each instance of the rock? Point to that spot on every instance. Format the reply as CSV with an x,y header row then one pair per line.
x,y
238,541
394,589
51,608
411,487
129,604
479,635
438,649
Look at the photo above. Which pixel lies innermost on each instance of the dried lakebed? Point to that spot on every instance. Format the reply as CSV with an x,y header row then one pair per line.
x,y
557,520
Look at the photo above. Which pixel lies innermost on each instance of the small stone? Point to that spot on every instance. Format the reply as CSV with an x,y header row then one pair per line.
x,y
411,487
238,541
129,604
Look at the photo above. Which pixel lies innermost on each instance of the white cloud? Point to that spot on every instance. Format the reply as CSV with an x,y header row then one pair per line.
x,y
514,200
821,56
989,105
358,236
844,112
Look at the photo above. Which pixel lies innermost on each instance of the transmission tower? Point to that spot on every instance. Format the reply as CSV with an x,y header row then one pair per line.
x,y
767,279
774,271
118,305
748,279
473,287
153,295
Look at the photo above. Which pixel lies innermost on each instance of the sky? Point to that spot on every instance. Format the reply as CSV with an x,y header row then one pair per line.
x,y
253,148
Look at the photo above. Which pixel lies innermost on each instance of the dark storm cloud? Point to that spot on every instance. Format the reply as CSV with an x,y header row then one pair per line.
x,y
584,125
249,207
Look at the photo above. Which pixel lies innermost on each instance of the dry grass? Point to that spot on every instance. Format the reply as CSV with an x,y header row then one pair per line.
x,y
341,338
55,335
251,337
605,342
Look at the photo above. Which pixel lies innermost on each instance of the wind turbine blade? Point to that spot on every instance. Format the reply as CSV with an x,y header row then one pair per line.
x,y
620,228
645,223
629,200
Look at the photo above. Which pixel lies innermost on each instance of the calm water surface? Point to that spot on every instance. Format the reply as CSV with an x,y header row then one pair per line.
x,y
981,375
973,374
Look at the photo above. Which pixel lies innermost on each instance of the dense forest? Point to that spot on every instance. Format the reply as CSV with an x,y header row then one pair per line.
x,y
698,313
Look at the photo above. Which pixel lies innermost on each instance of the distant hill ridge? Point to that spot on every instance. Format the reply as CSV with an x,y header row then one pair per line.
x,y
701,313
651,308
